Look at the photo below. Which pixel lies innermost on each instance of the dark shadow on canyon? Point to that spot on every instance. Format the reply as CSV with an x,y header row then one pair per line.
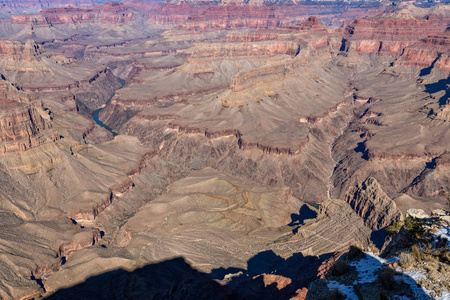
x,y
427,71
304,214
176,279
378,237
268,276
438,86
361,148
170,279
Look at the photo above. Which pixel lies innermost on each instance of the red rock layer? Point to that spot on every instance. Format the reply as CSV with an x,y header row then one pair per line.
x,y
433,50
391,33
195,17
174,14
111,12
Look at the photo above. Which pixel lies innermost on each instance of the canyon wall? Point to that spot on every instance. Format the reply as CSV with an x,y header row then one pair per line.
x,y
247,139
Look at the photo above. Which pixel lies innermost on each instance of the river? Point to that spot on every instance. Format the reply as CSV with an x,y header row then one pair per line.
x,y
96,113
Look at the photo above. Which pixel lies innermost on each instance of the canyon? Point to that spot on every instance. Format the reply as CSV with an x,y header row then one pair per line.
x,y
235,148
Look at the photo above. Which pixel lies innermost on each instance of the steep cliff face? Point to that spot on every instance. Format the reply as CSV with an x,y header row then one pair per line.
x,y
23,123
429,52
389,34
253,15
29,52
372,204
110,12
23,127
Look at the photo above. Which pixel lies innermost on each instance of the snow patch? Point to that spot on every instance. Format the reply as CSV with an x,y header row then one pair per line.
x,y
444,232
368,268
445,296
411,278
347,291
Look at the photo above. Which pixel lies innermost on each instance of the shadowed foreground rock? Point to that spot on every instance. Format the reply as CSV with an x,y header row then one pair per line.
x,y
171,279
267,276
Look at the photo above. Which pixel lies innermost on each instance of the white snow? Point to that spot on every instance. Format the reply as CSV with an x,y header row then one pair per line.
x,y
410,278
416,275
445,296
444,232
368,267
348,291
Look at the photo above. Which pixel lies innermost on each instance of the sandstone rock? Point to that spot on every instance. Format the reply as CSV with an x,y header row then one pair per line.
x,y
445,218
280,281
417,213
438,213
300,294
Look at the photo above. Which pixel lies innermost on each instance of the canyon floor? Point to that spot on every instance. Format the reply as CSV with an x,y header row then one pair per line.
x,y
205,150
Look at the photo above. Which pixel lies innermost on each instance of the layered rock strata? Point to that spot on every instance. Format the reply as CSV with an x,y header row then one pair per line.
x,y
224,143
371,203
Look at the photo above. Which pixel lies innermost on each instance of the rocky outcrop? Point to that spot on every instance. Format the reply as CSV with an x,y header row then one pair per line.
x,y
28,57
173,14
372,204
280,281
416,213
90,214
32,69
80,241
326,266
